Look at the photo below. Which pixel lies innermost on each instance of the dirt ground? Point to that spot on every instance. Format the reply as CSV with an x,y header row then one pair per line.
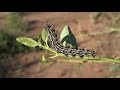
x,y
26,65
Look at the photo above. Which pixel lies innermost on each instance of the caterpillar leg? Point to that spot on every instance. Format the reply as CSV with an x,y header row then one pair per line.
x,y
73,55
65,52
81,56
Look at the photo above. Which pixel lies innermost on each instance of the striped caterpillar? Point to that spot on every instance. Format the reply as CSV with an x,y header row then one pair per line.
x,y
65,50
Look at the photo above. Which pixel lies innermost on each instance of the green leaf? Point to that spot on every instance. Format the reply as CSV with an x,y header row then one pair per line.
x,y
67,37
42,39
27,41
44,35
115,68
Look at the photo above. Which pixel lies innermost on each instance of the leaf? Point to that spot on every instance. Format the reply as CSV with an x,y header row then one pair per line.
x,y
67,37
115,68
42,39
44,35
27,41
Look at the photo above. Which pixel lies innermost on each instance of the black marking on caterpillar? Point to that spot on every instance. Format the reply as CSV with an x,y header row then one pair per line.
x,y
65,50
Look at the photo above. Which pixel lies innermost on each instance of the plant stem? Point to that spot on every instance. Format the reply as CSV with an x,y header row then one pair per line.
x,y
91,59
47,48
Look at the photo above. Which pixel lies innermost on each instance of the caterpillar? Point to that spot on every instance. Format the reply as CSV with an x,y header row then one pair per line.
x,y
65,50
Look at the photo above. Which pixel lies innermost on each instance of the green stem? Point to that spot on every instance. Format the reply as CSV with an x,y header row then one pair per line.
x,y
50,49
91,59
47,48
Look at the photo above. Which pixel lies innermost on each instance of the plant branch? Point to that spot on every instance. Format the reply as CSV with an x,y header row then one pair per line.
x,y
90,59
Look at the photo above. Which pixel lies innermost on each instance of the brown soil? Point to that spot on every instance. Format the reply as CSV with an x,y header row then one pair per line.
x,y
27,65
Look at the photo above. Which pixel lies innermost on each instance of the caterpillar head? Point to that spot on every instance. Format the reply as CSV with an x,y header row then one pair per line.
x,y
49,28
46,26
